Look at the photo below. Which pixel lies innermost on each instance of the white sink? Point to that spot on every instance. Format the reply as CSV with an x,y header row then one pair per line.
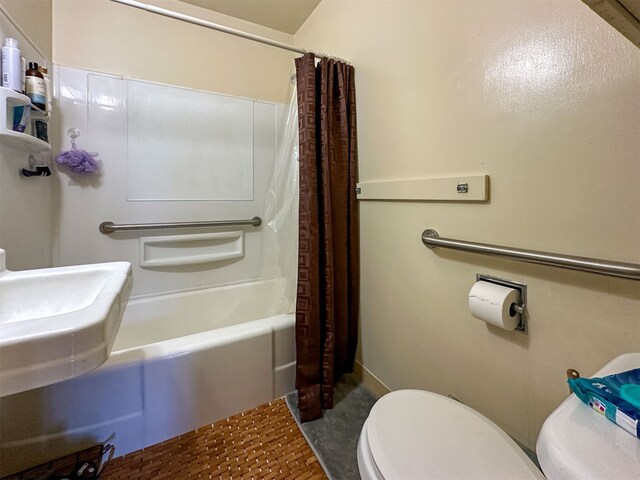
x,y
58,323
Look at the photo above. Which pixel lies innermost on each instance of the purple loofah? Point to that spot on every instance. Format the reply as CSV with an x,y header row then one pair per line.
x,y
79,161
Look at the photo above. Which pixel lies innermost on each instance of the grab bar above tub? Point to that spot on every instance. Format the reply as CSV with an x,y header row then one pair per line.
x,y
431,239
110,227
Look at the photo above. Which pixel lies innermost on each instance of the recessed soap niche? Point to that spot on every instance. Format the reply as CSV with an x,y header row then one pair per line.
x,y
174,250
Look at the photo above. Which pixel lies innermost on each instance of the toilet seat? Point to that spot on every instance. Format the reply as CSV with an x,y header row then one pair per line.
x,y
414,434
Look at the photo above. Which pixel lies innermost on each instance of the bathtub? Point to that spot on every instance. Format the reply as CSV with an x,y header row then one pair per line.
x,y
179,361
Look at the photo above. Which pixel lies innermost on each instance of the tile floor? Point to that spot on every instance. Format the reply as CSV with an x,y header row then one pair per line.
x,y
334,437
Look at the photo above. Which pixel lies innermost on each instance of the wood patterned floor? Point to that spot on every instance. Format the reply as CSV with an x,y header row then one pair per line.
x,y
263,443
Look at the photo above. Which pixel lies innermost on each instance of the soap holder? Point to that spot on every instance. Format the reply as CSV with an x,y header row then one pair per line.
x,y
175,250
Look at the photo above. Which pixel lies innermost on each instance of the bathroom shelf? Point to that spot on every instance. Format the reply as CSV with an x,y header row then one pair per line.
x,y
24,141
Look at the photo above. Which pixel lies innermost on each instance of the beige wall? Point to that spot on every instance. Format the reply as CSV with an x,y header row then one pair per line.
x,y
545,98
109,37
34,17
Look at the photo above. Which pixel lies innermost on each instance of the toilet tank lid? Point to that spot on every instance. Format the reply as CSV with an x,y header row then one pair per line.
x,y
419,434
576,442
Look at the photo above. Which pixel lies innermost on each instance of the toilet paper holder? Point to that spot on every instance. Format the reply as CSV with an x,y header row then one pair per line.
x,y
521,287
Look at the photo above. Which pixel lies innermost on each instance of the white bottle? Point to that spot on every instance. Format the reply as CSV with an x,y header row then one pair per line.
x,y
11,61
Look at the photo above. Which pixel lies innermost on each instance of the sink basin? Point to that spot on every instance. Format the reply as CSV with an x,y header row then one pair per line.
x,y
58,323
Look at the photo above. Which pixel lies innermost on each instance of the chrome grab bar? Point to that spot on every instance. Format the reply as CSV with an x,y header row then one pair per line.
x,y
431,239
110,227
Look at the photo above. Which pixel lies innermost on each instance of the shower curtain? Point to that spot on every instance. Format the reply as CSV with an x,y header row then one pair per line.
x,y
328,253
280,231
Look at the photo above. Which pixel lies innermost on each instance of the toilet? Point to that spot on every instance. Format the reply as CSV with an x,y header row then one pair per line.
x,y
415,434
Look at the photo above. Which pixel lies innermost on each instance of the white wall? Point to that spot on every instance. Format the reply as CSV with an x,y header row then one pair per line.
x,y
545,98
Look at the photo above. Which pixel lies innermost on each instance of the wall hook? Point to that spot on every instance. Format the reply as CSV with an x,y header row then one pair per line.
x,y
39,168
38,172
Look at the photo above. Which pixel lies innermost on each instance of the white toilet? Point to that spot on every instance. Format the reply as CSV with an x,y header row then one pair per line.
x,y
414,434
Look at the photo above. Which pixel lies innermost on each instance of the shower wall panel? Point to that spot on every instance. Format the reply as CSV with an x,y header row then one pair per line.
x,y
199,145
161,163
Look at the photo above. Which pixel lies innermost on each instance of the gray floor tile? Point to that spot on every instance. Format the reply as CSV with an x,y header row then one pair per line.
x,y
334,437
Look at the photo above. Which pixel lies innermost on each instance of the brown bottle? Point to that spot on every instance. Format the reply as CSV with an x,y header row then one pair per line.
x,y
35,87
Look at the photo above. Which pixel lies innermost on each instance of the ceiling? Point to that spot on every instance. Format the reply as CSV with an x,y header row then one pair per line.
x,y
283,15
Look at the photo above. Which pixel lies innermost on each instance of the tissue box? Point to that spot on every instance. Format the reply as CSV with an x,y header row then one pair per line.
x,y
603,395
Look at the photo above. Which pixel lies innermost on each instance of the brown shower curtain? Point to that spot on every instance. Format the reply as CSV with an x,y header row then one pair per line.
x,y
328,258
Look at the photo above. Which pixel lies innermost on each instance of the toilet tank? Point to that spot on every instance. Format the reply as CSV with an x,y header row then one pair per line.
x,y
577,443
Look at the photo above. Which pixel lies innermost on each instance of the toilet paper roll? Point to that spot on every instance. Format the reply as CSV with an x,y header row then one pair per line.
x,y
492,303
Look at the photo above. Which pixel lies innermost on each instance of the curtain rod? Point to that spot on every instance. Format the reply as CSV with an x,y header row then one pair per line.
x,y
220,28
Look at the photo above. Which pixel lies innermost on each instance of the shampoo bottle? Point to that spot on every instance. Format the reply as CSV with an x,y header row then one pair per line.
x,y
47,82
35,87
11,71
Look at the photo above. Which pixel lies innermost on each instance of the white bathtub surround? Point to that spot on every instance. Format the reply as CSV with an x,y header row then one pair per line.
x,y
165,317
179,362
163,162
